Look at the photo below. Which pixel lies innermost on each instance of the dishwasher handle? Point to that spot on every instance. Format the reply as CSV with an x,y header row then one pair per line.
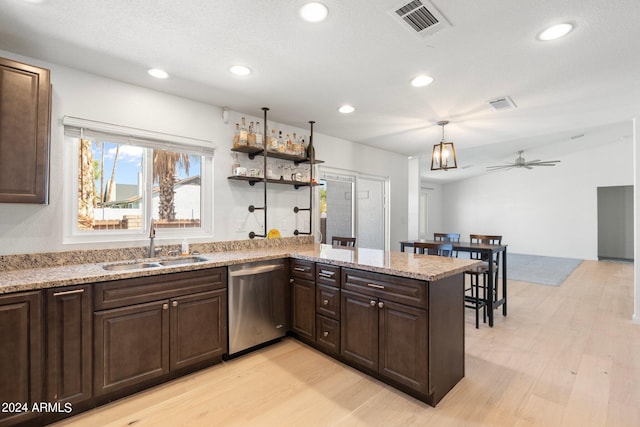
x,y
255,270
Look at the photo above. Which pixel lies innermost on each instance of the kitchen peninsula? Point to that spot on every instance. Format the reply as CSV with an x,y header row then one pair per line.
x,y
396,316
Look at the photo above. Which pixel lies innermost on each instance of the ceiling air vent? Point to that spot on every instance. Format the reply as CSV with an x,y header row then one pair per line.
x,y
420,17
502,103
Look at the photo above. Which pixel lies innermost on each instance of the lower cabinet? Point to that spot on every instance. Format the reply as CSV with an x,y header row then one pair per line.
x,y
385,328
20,356
68,344
138,343
303,300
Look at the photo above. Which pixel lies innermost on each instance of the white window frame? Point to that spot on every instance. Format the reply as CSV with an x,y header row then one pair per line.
x,y
76,128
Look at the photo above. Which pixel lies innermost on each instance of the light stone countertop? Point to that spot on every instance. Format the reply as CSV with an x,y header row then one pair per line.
x,y
421,267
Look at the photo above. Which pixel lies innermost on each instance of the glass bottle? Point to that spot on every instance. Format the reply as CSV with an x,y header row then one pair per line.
x,y
244,134
236,136
303,149
273,141
295,145
281,143
252,135
236,164
288,145
258,136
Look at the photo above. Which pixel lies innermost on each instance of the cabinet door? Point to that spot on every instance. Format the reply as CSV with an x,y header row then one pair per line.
x,y
403,345
25,96
69,341
198,328
328,339
131,345
303,308
359,329
20,354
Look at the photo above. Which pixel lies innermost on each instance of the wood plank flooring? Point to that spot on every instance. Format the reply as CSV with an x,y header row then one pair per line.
x,y
564,356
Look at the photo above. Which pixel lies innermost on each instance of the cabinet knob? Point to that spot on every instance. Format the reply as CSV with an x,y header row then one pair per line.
x,y
290,280
325,302
373,303
380,304
165,306
325,334
174,303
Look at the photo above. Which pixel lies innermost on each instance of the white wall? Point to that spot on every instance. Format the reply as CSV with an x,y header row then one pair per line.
x,y
36,228
548,211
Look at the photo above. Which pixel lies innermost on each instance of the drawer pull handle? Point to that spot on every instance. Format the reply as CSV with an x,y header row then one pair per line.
x,y
380,304
326,274
325,302
299,269
325,334
373,285
74,291
373,303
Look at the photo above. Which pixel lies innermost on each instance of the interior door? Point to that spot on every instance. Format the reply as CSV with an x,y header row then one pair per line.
x,y
340,207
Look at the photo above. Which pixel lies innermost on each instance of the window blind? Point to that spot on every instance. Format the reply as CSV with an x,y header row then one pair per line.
x,y
83,128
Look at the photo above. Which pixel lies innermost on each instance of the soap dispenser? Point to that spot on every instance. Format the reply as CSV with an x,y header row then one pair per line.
x,y
185,247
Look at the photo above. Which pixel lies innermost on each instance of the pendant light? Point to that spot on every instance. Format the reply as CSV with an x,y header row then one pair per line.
x,y
444,155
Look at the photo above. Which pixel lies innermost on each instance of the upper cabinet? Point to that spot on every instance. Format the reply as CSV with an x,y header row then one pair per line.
x,y
25,124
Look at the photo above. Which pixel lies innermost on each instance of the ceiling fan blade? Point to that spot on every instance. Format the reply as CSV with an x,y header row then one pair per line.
x,y
543,162
500,167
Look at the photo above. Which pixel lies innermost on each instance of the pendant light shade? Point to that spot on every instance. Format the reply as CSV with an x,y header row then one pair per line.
x,y
444,154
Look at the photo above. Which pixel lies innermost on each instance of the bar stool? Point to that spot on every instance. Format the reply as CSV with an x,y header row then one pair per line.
x,y
343,241
472,293
439,249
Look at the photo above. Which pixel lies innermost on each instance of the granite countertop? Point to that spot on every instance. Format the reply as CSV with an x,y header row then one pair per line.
x,y
422,267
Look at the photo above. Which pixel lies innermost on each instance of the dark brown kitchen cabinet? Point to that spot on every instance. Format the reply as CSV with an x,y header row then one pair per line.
x,y
131,345
409,333
383,335
25,104
303,300
146,329
198,328
328,308
20,356
69,334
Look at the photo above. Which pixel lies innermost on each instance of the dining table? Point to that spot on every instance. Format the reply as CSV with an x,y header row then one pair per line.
x,y
495,298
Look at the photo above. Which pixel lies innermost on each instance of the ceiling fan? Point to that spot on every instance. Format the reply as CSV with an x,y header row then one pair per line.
x,y
522,163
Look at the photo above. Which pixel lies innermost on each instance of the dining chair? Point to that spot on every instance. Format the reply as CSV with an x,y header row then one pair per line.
x,y
472,293
448,237
439,249
343,241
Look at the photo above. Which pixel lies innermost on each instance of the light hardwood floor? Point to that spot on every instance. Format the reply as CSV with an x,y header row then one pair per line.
x,y
564,356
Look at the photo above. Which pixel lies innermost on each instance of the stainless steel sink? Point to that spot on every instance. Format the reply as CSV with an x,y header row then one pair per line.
x,y
182,260
131,266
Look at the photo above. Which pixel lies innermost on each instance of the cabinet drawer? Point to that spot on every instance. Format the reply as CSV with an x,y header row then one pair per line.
x,y
328,301
303,269
328,275
120,293
328,335
393,288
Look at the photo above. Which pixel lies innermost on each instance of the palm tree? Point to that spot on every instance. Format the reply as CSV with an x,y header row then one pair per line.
x,y
165,164
86,185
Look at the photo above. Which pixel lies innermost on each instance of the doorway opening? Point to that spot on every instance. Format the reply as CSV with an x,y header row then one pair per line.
x,y
615,223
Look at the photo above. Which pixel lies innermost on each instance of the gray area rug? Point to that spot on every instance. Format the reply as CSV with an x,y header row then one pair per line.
x,y
544,270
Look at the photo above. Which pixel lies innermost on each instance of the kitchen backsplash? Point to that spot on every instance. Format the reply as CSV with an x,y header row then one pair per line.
x,y
53,259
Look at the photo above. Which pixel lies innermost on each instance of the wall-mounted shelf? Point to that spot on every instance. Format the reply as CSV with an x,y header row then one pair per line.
x,y
252,152
253,179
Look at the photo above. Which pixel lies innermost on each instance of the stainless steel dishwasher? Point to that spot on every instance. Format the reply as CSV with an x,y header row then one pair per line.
x,y
257,304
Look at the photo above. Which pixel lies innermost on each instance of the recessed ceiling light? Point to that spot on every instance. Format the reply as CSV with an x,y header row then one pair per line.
x,y
314,12
240,70
555,32
346,109
421,80
158,73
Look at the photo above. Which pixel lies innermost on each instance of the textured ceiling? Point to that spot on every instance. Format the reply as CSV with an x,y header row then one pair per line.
x,y
585,83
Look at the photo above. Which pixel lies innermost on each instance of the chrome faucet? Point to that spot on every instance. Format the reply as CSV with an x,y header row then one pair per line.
x,y
153,251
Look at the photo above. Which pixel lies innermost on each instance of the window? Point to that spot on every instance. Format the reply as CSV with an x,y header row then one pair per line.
x,y
124,177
